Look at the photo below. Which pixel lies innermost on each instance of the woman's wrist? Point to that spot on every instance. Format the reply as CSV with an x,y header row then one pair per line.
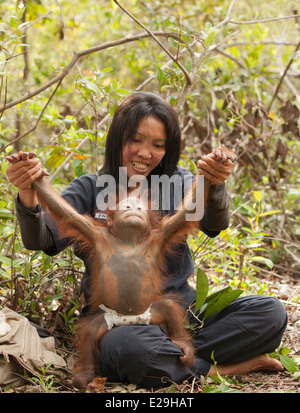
x,y
28,197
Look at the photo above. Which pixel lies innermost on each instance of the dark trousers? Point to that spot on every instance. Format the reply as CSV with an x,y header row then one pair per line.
x,y
144,355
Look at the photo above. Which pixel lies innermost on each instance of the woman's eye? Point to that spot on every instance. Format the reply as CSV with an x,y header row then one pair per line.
x,y
136,140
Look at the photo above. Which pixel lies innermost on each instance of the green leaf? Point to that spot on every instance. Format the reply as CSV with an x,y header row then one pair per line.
x,y
2,34
288,363
107,69
267,261
72,311
284,351
27,268
92,87
193,165
5,260
6,214
202,289
122,92
35,255
257,195
161,77
88,121
68,123
14,22
221,301
269,213
211,37
4,274
216,294
171,389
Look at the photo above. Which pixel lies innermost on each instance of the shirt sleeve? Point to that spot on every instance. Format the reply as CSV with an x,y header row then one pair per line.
x,y
216,215
39,231
34,232
217,211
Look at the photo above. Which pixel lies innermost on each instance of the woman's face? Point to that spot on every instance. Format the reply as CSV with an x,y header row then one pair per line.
x,y
146,149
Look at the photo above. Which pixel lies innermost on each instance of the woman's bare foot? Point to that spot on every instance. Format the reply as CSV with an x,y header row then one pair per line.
x,y
258,363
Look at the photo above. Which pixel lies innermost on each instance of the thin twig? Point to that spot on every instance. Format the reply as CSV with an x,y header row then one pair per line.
x,y
32,23
67,36
227,18
287,80
234,59
186,74
5,94
283,76
153,76
180,31
38,120
194,72
274,19
266,42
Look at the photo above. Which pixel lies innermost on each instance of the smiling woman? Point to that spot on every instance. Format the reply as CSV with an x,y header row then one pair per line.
x,y
147,148
144,136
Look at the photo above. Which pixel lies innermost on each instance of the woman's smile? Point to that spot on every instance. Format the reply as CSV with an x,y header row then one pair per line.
x,y
139,166
146,149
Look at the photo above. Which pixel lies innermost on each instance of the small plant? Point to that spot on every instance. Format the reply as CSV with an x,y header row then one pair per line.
x,y
45,380
238,254
206,305
288,362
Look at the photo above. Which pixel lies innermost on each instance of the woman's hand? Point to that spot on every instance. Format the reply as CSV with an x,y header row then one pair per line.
x,y
216,166
25,169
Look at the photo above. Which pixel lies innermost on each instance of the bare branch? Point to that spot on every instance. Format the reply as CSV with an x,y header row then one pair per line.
x,y
274,19
266,42
283,76
234,59
227,18
76,57
37,122
66,35
53,81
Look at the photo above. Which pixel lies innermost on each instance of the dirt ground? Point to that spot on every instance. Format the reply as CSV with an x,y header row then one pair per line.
x,y
286,288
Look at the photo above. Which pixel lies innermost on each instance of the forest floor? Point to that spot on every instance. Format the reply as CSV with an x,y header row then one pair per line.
x,y
285,288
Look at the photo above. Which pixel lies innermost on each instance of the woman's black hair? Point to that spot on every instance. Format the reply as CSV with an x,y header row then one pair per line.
x,y
124,125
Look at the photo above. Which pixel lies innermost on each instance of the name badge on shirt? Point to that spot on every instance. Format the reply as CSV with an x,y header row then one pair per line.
x,y
100,215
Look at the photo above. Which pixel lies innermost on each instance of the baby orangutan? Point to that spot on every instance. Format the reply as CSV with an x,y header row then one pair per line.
x,y
127,256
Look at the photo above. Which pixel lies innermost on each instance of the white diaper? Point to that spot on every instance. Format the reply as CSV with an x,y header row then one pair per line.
x,y
113,318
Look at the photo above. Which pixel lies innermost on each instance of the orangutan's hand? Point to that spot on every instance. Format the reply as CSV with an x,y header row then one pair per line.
x,y
216,166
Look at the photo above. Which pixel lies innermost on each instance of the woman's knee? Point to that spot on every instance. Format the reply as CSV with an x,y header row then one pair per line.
x,y
267,320
126,352
274,312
